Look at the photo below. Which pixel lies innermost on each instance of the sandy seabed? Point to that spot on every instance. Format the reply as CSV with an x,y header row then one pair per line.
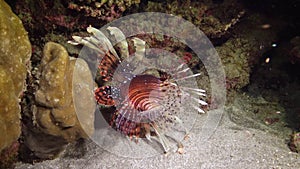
x,y
231,146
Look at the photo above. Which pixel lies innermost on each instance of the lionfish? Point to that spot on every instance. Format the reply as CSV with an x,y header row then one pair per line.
x,y
147,101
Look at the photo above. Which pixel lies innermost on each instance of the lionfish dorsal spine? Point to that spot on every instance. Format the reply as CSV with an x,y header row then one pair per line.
x,y
98,42
162,138
121,39
86,41
103,40
140,48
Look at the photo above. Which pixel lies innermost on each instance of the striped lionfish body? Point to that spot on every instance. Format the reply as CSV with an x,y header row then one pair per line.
x,y
147,105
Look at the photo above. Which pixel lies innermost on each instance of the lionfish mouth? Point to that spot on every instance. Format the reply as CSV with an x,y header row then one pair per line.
x,y
147,104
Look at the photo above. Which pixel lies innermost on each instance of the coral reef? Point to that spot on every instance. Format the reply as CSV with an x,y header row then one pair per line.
x,y
70,15
54,16
226,24
15,51
214,20
240,54
234,54
55,112
106,10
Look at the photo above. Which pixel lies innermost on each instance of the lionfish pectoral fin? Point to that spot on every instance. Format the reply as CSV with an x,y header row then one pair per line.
x,y
98,41
148,132
102,39
150,115
148,137
120,37
162,138
138,60
86,41
200,111
179,121
140,48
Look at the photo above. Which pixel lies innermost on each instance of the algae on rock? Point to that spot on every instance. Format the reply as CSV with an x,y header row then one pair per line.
x,y
235,55
245,49
55,119
15,52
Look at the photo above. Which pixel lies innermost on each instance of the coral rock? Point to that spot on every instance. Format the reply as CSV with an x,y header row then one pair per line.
x,y
60,120
15,52
295,142
235,54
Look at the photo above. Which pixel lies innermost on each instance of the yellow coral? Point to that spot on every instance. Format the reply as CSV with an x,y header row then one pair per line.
x,y
57,112
15,51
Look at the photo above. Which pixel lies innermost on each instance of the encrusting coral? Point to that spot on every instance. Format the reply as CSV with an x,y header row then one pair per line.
x,y
55,115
